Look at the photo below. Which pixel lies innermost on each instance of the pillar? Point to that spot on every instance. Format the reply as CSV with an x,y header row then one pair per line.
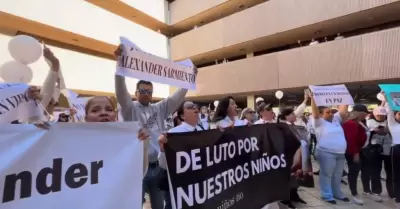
x,y
249,55
251,102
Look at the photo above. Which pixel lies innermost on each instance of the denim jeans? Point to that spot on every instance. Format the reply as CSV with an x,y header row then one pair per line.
x,y
330,176
150,186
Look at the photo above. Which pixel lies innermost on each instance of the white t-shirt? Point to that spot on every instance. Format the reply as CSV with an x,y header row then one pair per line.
x,y
394,126
261,121
330,135
227,121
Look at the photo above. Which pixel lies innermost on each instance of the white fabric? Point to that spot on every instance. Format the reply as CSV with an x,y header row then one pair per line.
x,y
227,121
394,126
109,154
330,135
261,121
184,127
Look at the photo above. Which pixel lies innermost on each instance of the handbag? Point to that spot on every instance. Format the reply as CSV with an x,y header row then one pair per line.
x,y
373,150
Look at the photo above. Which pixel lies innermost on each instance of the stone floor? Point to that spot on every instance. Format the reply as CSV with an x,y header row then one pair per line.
x,y
312,197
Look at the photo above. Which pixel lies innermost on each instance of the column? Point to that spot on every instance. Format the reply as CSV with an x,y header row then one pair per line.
x,y
251,102
249,55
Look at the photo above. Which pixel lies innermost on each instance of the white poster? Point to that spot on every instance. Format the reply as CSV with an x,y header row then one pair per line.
x,y
14,104
79,105
79,166
331,95
141,65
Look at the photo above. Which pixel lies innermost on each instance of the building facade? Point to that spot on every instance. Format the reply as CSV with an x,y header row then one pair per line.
x,y
245,48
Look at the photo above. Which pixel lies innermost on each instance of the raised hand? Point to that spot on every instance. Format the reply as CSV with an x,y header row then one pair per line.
x,y
118,52
49,55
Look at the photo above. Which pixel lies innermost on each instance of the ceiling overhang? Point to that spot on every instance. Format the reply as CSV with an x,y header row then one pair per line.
x,y
220,11
14,25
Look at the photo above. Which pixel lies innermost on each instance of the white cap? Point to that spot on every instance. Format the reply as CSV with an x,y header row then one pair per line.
x,y
259,99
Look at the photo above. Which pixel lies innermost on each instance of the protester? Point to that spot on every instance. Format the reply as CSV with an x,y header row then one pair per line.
x,y
188,112
330,150
204,118
375,151
393,119
266,114
151,117
248,115
356,134
226,114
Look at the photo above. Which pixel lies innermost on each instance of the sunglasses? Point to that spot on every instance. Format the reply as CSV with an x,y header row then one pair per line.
x,y
145,91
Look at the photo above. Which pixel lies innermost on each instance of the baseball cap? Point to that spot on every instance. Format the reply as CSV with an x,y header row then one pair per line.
x,y
379,111
360,108
264,106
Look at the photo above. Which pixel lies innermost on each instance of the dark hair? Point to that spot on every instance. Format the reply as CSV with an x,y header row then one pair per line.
x,y
143,82
179,112
285,112
222,109
321,109
176,121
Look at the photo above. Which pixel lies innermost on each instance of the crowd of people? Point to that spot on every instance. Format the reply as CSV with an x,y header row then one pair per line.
x,y
367,141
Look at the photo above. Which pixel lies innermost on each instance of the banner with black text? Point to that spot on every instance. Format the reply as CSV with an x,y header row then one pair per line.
x,y
72,165
14,103
239,168
138,64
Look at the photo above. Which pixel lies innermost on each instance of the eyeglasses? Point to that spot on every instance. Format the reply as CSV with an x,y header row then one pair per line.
x,y
145,91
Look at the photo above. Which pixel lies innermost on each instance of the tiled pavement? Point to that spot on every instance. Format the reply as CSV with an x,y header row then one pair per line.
x,y
312,197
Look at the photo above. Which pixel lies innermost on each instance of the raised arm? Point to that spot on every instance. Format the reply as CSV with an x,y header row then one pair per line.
x,y
121,91
300,109
343,110
49,84
171,103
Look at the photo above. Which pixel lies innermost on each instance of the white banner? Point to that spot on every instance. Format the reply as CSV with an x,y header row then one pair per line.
x,y
141,65
79,166
331,95
14,104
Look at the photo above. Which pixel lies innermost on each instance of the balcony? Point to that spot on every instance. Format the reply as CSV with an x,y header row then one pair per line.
x,y
275,23
368,57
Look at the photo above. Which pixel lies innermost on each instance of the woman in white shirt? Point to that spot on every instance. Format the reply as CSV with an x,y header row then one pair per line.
x,y
330,150
226,114
393,118
371,165
248,115
188,112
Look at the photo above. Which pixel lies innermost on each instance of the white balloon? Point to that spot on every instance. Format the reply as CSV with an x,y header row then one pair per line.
x,y
216,102
25,49
380,97
15,72
279,94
